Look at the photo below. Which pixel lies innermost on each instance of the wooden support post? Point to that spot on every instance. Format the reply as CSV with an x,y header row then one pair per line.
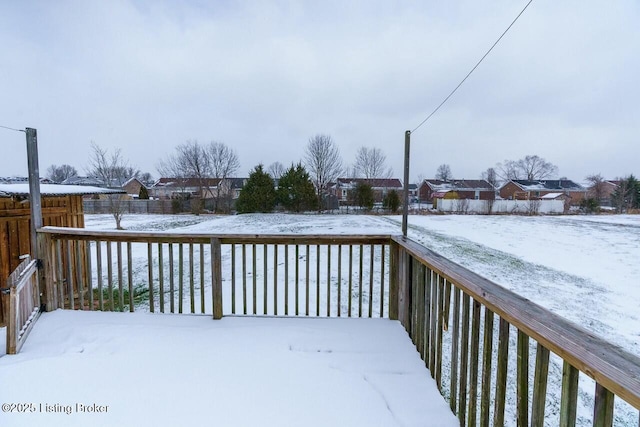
x,y
216,278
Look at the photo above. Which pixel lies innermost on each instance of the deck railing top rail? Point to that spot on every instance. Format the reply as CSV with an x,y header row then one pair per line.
x,y
615,368
169,237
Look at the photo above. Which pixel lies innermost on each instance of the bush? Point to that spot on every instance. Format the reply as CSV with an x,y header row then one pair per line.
x,y
391,201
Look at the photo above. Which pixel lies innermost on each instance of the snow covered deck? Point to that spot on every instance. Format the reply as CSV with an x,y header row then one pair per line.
x,y
153,369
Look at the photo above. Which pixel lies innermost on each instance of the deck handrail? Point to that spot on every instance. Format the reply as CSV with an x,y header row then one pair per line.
x,y
169,237
613,367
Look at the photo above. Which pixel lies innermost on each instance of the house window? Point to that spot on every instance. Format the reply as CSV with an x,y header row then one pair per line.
x,y
344,194
477,196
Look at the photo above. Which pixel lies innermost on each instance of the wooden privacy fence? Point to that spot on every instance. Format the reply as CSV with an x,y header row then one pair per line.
x,y
15,218
497,358
463,326
24,304
326,276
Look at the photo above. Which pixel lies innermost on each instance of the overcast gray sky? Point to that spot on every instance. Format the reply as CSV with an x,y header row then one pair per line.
x,y
264,76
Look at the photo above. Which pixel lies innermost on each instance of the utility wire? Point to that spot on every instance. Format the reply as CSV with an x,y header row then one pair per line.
x,y
473,69
7,127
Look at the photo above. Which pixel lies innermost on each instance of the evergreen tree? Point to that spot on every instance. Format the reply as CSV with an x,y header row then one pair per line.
x,y
363,195
258,194
296,191
391,201
143,194
627,195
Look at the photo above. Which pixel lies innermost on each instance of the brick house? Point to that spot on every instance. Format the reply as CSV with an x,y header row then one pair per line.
x,y
132,187
522,189
344,187
475,189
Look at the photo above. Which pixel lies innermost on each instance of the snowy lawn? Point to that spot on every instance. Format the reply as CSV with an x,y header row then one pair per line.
x,y
158,370
584,268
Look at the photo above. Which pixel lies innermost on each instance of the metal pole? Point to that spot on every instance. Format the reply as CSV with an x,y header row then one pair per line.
x,y
34,188
405,208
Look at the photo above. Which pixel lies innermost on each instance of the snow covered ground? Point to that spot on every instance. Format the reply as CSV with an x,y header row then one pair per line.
x,y
141,369
584,268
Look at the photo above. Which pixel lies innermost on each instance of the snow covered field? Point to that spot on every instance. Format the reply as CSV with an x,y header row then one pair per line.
x,y
584,268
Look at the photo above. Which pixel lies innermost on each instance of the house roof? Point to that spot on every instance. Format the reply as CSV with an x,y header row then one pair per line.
x,y
548,184
83,180
53,190
552,196
458,184
186,182
374,182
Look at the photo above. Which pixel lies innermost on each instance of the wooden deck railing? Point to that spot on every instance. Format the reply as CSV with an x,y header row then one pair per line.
x,y
498,358
24,304
325,275
463,326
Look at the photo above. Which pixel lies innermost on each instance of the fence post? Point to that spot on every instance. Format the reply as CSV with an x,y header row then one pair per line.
x,y
216,278
46,285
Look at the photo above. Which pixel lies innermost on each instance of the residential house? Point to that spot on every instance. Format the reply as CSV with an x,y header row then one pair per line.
x,y
184,188
132,187
476,189
607,188
522,189
344,187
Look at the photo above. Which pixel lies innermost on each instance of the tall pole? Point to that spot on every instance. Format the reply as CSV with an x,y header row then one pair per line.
x,y
34,188
405,205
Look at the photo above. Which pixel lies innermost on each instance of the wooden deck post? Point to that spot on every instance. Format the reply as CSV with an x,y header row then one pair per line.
x,y
216,278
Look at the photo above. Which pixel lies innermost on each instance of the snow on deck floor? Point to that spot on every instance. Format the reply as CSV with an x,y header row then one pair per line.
x,y
161,370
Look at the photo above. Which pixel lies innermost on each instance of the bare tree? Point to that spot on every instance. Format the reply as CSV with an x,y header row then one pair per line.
x,y
534,167
322,160
58,174
596,187
176,168
112,170
370,164
224,163
531,168
444,173
491,177
276,170
507,170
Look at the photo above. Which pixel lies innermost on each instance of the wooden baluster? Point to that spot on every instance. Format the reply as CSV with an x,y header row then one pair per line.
x,y
150,268
487,352
161,277
603,407
523,379
464,360
501,375
130,277
569,399
473,369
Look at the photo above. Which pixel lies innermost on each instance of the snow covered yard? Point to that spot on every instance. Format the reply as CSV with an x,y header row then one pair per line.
x,y
144,369
582,267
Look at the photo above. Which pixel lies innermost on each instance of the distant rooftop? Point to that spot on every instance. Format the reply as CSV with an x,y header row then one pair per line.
x,y
22,190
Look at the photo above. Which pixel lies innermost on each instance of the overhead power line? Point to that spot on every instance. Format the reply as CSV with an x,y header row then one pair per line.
x,y
474,68
7,127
